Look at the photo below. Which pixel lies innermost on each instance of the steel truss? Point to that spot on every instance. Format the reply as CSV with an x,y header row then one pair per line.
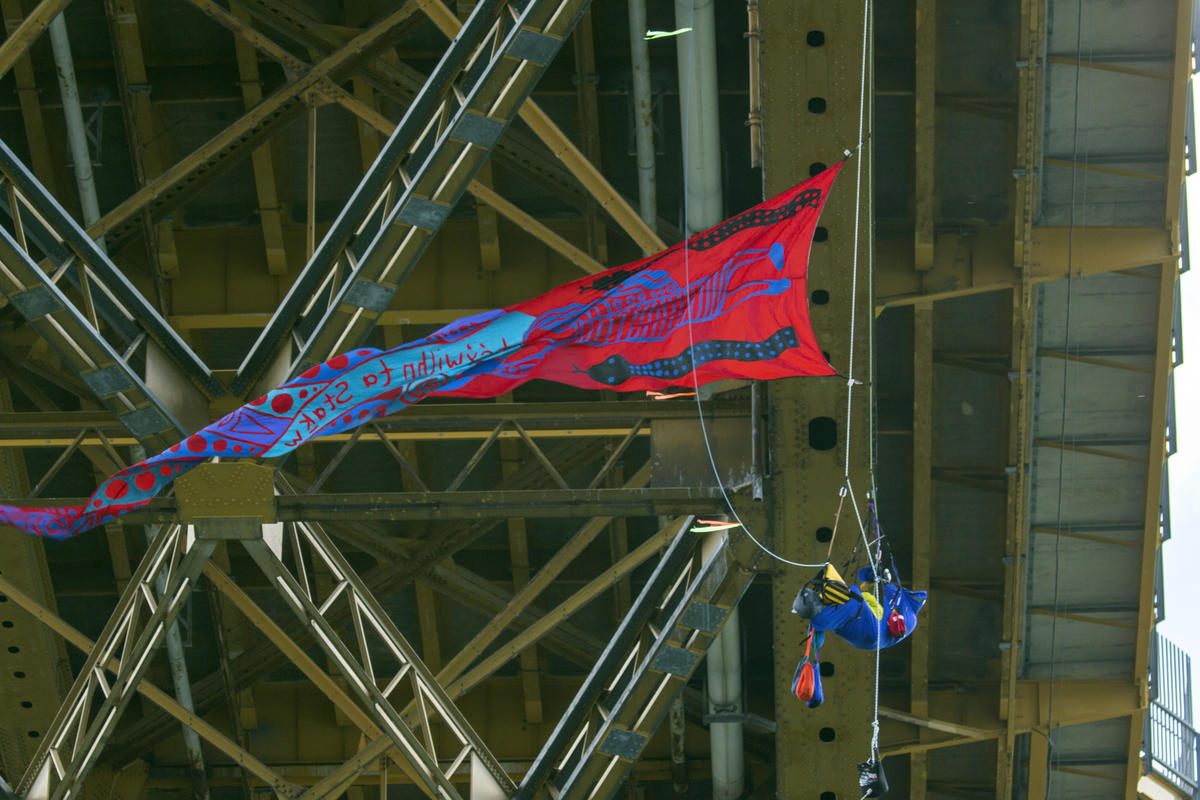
x,y
59,280
646,665
446,134
381,668
135,629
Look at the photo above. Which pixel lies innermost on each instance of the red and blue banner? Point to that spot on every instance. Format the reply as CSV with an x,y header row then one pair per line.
x,y
731,302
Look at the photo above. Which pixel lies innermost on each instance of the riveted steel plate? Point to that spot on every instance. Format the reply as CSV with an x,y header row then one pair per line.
x,y
423,213
533,46
675,661
222,491
108,381
478,130
144,421
37,302
703,616
622,744
369,295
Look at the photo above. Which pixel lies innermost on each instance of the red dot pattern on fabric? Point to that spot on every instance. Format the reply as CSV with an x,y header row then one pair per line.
x,y
145,481
346,419
237,448
311,372
303,393
339,362
259,401
219,445
117,489
196,443
281,403
363,414
165,471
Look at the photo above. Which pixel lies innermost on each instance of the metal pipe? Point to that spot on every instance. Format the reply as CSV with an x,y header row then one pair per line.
x,y
754,117
697,59
64,66
183,685
679,768
724,664
643,106
180,680
704,207
183,688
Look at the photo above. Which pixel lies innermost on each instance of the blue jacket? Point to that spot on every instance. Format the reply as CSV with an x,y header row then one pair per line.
x,y
854,621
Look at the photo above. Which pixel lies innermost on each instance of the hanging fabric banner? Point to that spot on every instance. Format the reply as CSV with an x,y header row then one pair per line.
x,y
731,302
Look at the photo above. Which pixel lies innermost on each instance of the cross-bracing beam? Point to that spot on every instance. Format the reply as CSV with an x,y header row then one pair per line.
x,y
445,136
45,247
381,668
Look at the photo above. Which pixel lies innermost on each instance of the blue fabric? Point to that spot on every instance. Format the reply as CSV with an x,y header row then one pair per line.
x,y
854,622
818,693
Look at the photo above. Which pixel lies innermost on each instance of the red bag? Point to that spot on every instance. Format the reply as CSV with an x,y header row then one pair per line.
x,y
895,624
803,682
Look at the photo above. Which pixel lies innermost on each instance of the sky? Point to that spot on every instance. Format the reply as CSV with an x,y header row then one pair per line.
x,y
1181,554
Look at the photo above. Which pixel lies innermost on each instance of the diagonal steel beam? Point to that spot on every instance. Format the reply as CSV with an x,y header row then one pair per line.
x,y
562,147
518,151
259,661
186,178
39,221
85,721
28,31
151,692
458,685
429,161
368,116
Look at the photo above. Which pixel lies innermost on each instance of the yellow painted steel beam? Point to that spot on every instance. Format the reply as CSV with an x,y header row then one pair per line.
x,y
217,149
981,262
924,111
391,436
36,668
152,693
146,141
922,522
263,159
1168,281
1151,535
28,31
562,147
30,104
805,483
518,547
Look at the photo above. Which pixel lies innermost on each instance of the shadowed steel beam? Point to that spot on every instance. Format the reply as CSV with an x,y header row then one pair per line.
x,y
610,661
507,651
456,688
28,31
268,627
980,262
261,659
567,152
152,693
45,223
85,720
429,161
183,180
545,576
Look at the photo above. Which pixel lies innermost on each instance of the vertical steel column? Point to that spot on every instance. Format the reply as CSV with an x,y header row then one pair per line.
x,y
812,64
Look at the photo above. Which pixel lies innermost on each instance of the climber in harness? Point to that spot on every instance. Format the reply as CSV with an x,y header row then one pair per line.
x,y
829,603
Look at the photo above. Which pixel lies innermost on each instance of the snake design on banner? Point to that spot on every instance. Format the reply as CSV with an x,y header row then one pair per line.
x,y
731,302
